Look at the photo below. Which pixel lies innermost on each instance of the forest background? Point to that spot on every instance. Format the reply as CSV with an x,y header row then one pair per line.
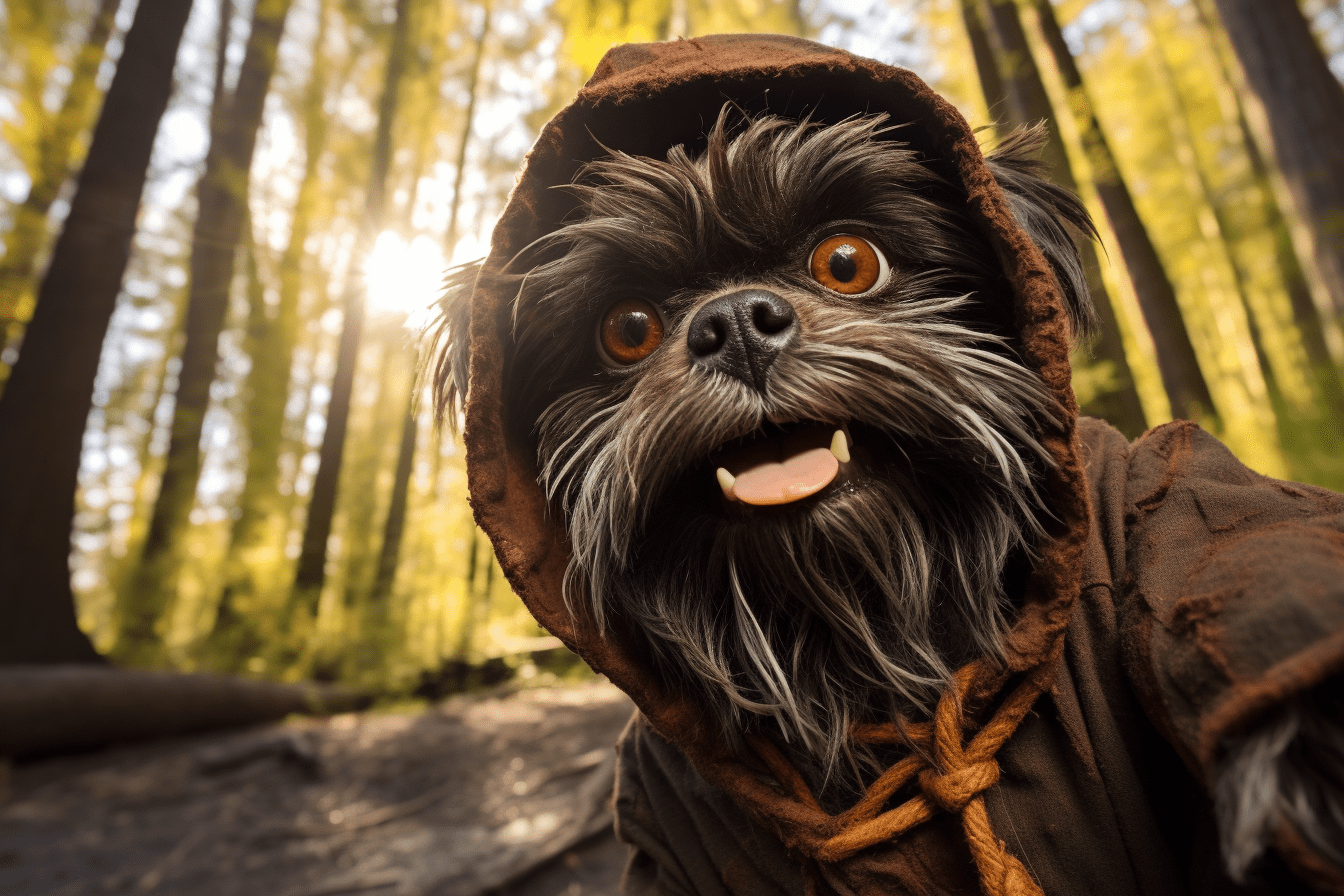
x,y
223,222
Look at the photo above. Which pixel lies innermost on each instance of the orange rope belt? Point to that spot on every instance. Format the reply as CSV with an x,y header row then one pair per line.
x,y
953,779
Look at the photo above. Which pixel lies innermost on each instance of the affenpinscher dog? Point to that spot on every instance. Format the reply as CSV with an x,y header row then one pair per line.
x,y
807,512
777,395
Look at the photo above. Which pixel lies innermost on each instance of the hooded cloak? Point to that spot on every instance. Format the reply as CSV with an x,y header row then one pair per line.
x,y
1179,595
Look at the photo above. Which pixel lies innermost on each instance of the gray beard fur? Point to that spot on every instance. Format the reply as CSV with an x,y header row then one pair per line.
x,y
859,604
856,607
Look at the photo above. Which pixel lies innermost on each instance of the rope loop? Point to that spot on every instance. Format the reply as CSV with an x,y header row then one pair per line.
x,y
953,790
952,774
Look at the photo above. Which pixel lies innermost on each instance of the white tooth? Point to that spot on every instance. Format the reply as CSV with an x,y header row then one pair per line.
x,y
726,481
840,447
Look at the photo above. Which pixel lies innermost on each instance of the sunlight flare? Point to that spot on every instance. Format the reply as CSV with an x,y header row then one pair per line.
x,y
403,278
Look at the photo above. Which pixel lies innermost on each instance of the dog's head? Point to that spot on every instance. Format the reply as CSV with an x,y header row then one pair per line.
x,y
776,395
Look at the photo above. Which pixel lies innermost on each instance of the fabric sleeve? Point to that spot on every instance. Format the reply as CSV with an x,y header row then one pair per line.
x,y
1234,591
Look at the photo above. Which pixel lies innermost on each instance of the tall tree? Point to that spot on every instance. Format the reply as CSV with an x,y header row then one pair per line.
x,y
986,65
1304,102
221,198
46,403
256,537
1306,316
1181,376
464,138
311,572
1217,226
395,526
1024,100
55,150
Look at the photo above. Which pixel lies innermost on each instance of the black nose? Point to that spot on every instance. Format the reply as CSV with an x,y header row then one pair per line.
x,y
741,334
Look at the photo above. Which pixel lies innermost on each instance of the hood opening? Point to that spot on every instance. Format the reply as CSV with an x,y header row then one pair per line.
x,y
643,100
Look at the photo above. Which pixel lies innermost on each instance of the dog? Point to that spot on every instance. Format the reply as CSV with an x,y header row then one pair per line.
x,y
778,399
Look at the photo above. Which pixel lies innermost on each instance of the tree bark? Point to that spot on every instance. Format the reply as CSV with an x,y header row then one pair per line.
x,y
46,404
311,572
221,205
55,153
1306,316
1176,361
1304,102
1025,101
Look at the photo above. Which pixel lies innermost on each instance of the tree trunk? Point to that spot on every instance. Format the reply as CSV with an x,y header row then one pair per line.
x,y
465,635
46,404
1305,106
256,539
1025,101
51,708
1216,227
396,508
1176,361
1306,316
221,205
56,150
366,459
986,66
464,140
311,572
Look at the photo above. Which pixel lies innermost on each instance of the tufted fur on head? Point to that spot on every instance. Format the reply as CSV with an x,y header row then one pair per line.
x,y
857,603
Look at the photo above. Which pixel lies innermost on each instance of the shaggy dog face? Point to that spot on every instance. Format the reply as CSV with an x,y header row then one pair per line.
x,y
809,303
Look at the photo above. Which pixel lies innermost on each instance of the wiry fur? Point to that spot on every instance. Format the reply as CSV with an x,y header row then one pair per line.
x,y
853,607
798,621
1288,769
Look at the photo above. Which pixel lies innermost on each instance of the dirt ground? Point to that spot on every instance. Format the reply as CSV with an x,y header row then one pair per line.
x,y
503,795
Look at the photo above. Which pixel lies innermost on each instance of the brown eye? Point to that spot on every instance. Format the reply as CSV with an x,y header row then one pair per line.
x,y
630,331
848,264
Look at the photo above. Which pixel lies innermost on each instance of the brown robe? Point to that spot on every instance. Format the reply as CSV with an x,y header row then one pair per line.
x,y
1195,594
1208,593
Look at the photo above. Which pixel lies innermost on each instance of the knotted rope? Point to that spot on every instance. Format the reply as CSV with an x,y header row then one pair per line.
x,y
952,776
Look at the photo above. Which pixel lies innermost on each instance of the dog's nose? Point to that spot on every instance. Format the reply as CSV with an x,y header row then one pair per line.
x,y
742,333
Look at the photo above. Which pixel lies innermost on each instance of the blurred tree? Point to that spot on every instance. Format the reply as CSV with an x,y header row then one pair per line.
x,y
385,362
1306,315
241,628
464,137
311,572
221,198
54,139
1304,102
46,403
986,65
1181,375
1216,225
395,525
1024,101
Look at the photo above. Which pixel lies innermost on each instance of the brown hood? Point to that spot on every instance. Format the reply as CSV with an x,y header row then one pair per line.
x,y
644,99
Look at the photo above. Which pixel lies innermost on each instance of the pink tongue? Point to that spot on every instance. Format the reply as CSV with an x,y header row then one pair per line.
x,y
779,483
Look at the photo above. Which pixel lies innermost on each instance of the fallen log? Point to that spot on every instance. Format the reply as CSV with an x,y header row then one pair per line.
x,y
55,708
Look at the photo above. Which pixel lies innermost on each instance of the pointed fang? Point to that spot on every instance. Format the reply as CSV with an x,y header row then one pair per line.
x,y
726,483
839,447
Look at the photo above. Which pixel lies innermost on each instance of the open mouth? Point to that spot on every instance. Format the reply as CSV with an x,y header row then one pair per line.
x,y
781,465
